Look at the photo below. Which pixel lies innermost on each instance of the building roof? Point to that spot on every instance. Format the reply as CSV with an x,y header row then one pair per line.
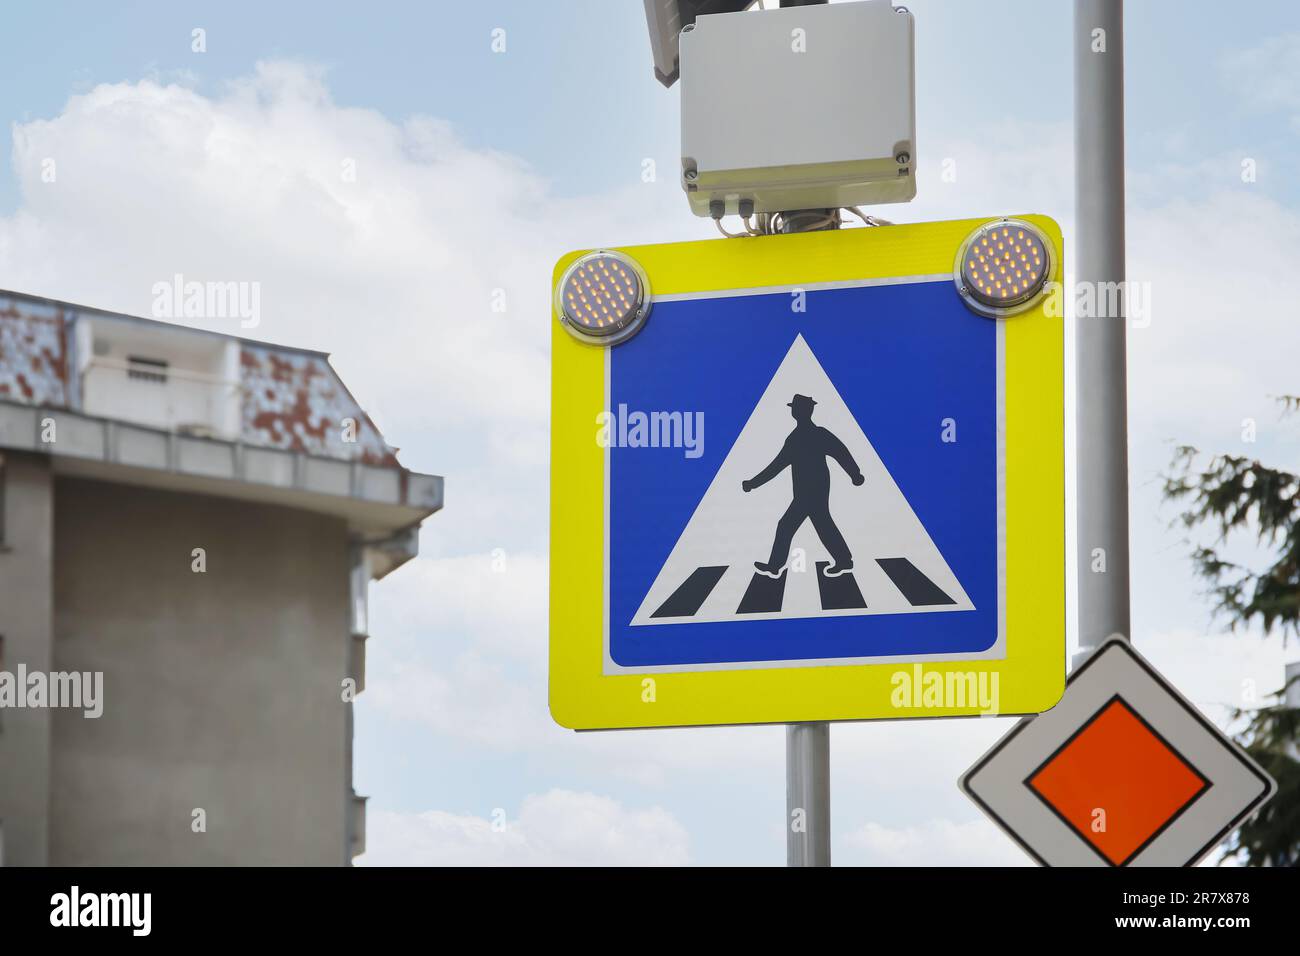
x,y
128,399
74,308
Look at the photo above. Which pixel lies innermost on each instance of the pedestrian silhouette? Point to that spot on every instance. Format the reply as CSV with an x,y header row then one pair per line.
x,y
805,452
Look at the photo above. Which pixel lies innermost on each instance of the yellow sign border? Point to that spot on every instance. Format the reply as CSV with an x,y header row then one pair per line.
x,y
1030,679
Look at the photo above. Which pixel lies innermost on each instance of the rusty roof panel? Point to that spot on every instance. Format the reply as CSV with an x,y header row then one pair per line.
x,y
33,357
296,401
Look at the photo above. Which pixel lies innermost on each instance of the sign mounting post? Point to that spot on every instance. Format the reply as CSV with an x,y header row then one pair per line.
x,y
1101,414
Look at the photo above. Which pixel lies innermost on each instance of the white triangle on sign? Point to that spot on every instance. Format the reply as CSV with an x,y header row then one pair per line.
x,y
733,529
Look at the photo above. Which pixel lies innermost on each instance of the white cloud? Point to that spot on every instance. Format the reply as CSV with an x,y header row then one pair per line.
x,y
471,699
1217,670
903,757
474,700
394,271
496,599
557,828
1013,168
934,843
1221,271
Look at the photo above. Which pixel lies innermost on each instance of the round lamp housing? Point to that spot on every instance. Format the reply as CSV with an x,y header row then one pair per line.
x,y
1002,268
603,298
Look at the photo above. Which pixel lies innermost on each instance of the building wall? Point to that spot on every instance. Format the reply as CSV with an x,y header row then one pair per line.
x,y
222,690
26,616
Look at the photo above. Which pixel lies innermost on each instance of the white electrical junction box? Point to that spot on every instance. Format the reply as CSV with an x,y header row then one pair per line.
x,y
799,107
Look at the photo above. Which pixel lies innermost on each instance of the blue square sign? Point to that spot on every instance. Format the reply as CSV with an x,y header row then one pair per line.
x,y
805,476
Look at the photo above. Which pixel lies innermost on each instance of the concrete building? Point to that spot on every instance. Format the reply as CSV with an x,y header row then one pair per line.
x,y
195,517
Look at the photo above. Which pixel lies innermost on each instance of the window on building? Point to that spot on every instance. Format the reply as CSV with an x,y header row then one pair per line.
x,y
4,475
146,369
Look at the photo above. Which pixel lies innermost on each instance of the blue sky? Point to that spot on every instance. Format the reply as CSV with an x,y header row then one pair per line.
x,y
434,58
477,171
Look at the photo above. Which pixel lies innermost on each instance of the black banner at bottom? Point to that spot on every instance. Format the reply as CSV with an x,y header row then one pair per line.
x,y
368,905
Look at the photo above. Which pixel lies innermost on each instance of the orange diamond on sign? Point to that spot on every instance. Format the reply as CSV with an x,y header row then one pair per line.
x,y
1117,782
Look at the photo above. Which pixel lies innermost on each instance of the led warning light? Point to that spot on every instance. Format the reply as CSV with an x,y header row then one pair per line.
x,y
1003,267
603,298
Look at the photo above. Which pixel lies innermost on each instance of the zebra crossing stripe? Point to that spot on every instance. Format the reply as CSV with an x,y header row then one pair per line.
x,y
764,595
839,593
919,590
686,600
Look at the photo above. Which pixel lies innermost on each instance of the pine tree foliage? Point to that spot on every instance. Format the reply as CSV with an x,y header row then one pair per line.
x,y
1236,495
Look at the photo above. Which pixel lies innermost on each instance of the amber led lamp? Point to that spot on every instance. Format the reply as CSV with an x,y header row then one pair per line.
x,y
1003,267
603,298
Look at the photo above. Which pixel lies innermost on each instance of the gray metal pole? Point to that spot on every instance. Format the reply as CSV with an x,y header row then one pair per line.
x,y
1100,339
808,794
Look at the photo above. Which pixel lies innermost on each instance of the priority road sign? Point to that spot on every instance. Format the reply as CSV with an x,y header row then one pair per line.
x,y
815,485
1124,771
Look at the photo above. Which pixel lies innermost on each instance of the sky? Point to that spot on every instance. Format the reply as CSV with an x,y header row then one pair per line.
x,y
475,171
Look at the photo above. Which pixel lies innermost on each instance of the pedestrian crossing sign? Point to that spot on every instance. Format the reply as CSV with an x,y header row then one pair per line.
x,y
814,485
